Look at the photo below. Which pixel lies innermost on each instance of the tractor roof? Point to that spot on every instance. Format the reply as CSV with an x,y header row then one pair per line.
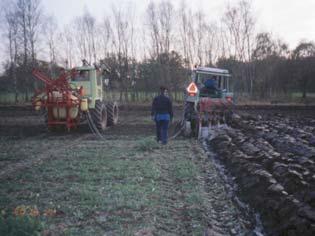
x,y
85,68
212,70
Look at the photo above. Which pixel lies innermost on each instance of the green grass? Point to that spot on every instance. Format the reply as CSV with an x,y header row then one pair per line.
x,y
20,226
145,97
139,97
299,95
115,187
147,144
9,98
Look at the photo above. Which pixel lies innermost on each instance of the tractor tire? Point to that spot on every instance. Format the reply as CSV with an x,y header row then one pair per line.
x,y
187,129
195,127
191,119
99,116
189,111
112,113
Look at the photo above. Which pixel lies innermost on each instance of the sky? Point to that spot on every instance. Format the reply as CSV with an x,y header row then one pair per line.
x,y
289,20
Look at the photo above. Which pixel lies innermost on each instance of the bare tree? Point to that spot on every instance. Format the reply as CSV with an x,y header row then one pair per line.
x,y
183,31
240,25
187,34
85,31
25,24
191,37
200,33
11,29
304,58
123,33
34,19
165,18
154,29
51,33
106,33
22,15
67,41
211,44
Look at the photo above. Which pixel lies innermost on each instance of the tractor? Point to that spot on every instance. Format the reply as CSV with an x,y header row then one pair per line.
x,y
75,97
207,106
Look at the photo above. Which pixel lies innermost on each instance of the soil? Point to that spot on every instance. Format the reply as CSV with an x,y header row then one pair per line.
x,y
270,152
126,184
267,153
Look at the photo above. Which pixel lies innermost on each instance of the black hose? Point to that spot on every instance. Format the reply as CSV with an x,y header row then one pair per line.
x,y
93,127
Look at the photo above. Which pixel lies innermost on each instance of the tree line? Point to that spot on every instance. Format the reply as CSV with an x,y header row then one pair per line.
x,y
160,46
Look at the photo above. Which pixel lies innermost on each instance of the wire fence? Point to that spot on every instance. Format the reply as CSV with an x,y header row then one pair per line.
x,y
7,98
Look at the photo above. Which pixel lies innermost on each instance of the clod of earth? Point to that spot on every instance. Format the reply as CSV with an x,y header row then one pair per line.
x,y
272,159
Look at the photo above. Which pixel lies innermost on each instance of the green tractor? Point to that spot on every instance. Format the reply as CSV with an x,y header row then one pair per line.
x,y
76,96
92,81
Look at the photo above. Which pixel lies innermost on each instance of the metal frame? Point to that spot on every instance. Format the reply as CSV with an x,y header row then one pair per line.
x,y
50,102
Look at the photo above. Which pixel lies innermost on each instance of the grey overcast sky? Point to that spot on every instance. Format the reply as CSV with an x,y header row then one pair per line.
x,y
291,20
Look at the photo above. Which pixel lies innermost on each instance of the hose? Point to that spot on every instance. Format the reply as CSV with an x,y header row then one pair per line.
x,y
180,124
93,127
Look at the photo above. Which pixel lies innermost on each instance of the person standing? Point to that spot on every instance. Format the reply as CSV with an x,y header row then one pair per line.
x,y
162,114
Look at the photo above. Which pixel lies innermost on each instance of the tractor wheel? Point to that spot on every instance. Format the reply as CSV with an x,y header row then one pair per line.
x,y
113,113
191,120
187,129
99,115
195,127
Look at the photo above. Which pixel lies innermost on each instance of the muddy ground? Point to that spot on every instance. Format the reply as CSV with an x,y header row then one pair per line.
x,y
255,177
270,152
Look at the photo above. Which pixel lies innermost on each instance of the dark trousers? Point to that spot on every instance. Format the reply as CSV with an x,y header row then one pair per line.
x,y
161,130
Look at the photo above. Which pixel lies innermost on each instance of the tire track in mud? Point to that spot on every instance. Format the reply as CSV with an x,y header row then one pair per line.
x,y
227,213
219,213
169,198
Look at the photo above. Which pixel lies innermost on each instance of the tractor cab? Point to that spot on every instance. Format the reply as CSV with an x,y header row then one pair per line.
x,y
208,99
90,80
209,82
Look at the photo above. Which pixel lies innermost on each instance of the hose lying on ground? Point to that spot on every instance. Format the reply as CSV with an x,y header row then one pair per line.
x,y
93,127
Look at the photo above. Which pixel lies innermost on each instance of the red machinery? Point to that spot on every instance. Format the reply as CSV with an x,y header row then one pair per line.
x,y
61,102
213,111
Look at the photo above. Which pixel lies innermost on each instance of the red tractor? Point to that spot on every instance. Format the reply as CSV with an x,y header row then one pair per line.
x,y
208,100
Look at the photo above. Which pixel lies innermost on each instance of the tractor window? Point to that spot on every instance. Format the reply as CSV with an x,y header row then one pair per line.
x,y
219,82
82,75
202,78
99,79
225,83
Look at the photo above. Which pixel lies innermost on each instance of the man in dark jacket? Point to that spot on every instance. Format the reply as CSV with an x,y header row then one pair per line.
x,y
162,114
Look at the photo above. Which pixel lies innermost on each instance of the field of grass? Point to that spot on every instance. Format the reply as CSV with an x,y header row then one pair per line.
x,y
118,187
139,97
